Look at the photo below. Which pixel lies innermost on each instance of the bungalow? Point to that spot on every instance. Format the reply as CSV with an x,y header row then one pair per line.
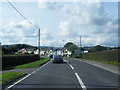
x,y
22,51
67,53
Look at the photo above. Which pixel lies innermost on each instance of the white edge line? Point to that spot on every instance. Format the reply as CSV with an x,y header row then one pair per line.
x,y
37,69
33,71
45,64
18,82
80,82
25,77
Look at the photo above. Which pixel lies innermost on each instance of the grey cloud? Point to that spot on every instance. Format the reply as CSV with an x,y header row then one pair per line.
x,y
19,26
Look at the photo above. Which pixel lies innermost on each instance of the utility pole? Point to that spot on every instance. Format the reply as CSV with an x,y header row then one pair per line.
x,y
80,48
63,48
39,42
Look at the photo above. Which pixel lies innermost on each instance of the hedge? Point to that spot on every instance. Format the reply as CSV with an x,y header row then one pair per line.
x,y
108,55
14,60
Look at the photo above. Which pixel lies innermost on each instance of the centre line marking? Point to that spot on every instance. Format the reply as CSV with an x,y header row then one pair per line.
x,y
80,82
78,78
71,66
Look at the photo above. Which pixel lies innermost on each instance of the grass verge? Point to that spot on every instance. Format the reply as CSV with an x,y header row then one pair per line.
x,y
7,77
101,61
33,64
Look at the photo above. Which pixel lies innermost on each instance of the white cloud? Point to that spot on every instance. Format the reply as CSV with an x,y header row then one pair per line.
x,y
89,19
42,5
46,34
22,32
86,19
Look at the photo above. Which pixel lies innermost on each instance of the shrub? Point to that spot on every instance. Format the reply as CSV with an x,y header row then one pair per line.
x,y
14,60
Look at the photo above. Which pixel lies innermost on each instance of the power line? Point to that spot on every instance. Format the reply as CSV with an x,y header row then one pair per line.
x,y
22,14
37,26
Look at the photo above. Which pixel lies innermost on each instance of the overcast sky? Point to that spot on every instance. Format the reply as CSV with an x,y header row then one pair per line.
x,y
60,22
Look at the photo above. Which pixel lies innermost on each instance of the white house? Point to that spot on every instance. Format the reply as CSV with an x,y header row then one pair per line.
x,y
22,51
36,52
67,53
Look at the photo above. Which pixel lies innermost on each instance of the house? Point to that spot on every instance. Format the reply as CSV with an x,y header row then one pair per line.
x,y
36,52
22,51
42,52
29,51
85,51
77,51
67,53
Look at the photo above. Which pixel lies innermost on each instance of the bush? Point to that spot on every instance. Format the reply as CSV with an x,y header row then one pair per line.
x,y
14,60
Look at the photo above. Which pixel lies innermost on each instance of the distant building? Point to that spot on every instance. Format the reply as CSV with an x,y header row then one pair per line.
x,y
85,51
67,53
78,51
36,52
29,51
22,51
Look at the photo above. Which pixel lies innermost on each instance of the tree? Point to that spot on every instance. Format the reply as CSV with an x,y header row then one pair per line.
x,y
11,49
71,47
98,48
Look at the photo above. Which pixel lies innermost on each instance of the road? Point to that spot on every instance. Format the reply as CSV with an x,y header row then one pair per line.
x,y
72,74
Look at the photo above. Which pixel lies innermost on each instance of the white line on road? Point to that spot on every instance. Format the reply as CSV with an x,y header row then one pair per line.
x,y
17,82
80,82
37,69
65,60
45,64
78,77
71,66
33,71
25,77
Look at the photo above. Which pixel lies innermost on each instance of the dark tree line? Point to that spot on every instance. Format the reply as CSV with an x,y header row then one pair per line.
x,y
11,49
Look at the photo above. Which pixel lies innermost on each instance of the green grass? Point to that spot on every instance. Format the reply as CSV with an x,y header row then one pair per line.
x,y
107,62
33,64
6,77
101,61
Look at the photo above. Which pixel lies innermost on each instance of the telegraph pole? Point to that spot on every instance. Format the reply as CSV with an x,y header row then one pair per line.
x,y
39,42
80,48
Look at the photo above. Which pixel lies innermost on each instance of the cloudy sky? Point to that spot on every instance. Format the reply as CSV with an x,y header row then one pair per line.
x,y
60,22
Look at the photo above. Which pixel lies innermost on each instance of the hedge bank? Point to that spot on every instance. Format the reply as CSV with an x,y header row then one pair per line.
x,y
108,55
14,60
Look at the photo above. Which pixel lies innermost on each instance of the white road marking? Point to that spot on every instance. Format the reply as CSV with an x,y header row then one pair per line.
x,y
18,82
78,77
33,71
71,66
25,77
100,66
45,64
80,82
64,60
37,69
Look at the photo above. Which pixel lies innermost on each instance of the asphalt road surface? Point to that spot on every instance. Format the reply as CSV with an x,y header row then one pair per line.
x,y
72,75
